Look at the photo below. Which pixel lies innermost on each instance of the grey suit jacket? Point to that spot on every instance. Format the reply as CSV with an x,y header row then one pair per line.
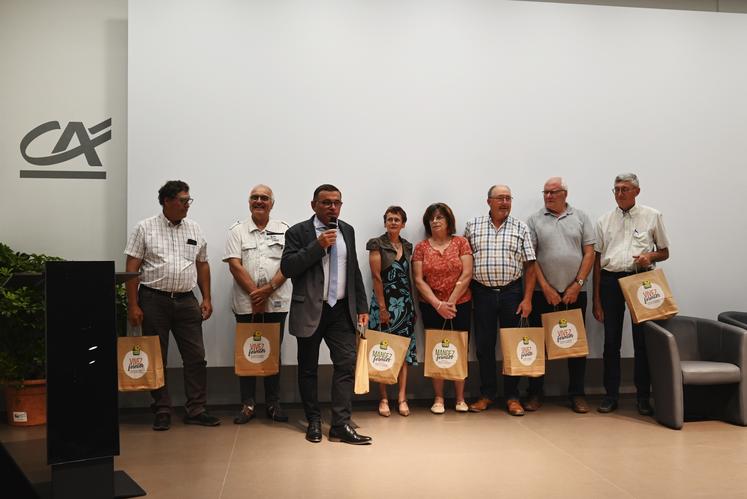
x,y
302,263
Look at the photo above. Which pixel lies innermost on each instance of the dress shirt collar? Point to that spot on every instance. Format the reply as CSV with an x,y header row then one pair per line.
x,y
168,222
632,211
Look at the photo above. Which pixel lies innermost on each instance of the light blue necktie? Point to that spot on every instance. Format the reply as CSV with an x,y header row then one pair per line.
x,y
332,293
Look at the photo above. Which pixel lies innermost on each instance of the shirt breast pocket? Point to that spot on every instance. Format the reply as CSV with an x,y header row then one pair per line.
x,y
275,250
640,243
189,252
247,248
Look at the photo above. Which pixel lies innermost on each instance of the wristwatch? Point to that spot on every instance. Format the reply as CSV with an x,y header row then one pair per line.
x,y
580,282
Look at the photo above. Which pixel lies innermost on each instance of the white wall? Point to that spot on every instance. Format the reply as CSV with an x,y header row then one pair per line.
x,y
63,61
411,102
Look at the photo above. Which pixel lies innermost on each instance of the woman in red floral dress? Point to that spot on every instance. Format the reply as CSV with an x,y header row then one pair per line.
x,y
442,267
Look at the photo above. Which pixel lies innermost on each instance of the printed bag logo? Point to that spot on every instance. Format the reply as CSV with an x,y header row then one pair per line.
x,y
381,357
650,294
564,334
135,363
257,348
445,354
526,351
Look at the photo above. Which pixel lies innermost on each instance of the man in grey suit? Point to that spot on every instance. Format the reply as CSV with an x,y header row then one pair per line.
x,y
328,301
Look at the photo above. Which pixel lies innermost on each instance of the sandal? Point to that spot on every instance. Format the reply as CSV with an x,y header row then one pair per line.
x,y
403,408
384,408
438,407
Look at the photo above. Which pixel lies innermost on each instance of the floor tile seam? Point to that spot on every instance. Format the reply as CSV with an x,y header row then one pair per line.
x,y
228,464
574,458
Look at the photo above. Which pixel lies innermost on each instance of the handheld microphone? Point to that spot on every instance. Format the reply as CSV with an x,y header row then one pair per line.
x,y
332,224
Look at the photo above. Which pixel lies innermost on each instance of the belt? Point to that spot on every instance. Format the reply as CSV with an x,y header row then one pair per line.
x,y
170,294
618,274
497,288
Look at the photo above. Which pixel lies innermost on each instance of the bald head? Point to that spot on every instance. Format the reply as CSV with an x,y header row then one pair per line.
x,y
500,187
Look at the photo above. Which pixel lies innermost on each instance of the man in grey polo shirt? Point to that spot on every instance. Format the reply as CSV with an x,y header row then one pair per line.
x,y
563,238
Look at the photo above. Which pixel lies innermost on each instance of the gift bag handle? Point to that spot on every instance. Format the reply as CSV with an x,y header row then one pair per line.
x,y
444,325
254,316
134,330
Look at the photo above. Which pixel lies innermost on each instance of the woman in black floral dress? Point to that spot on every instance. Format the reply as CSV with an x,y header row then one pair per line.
x,y
392,308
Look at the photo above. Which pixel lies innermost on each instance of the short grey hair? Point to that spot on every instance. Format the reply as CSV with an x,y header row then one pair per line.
x,y
628,177
272,194
563,185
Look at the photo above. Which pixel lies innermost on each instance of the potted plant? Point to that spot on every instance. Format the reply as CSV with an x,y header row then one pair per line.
x,y
22,355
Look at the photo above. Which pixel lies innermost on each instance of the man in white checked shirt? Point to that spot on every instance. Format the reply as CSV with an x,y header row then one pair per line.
x,y
171,253
502,250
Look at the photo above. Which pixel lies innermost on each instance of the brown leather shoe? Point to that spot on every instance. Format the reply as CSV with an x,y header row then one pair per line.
x,y
515,408
533,403
579,405
480,405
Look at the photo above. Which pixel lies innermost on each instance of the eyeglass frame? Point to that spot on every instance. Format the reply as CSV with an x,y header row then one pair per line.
x,y
328,203
185,201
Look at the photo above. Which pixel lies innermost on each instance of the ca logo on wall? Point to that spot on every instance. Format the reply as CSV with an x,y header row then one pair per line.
x,y
88,140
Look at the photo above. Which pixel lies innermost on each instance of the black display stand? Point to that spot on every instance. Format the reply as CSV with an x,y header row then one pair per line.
x,y
82,393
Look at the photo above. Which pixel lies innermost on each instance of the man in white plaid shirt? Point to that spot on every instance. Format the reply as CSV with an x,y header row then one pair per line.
x,y
171,253
502,249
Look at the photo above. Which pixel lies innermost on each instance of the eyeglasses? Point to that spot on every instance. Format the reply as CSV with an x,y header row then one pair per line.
x,y
259,197
437,218
621,190
553,192
502,199
393,220
186,201
326,203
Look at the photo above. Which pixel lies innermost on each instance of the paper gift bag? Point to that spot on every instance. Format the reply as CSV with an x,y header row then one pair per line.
x,y
386,354
565,334
523,351
648,296
257,349
139,363
446,354
361,367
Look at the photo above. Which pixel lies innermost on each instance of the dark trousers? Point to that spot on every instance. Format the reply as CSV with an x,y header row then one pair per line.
x,y
613,304
432,320
494,309
248,384
182,316
576,365
338,333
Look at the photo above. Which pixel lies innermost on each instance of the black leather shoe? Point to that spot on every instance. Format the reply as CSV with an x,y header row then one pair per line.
x,y
245,415
644,407
276,413
607,405
202,419
162,421
348,435
314,432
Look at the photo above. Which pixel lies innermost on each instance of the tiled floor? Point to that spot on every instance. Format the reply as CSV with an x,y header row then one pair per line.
x,y
551,453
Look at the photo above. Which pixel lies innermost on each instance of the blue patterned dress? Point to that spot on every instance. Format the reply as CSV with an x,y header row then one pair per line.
x,y
398,296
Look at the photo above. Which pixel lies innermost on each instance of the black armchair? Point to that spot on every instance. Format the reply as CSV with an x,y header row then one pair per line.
x,y
698,370
738,319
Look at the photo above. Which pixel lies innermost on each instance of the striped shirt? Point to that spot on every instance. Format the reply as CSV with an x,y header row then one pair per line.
x,y
168,253
499,253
